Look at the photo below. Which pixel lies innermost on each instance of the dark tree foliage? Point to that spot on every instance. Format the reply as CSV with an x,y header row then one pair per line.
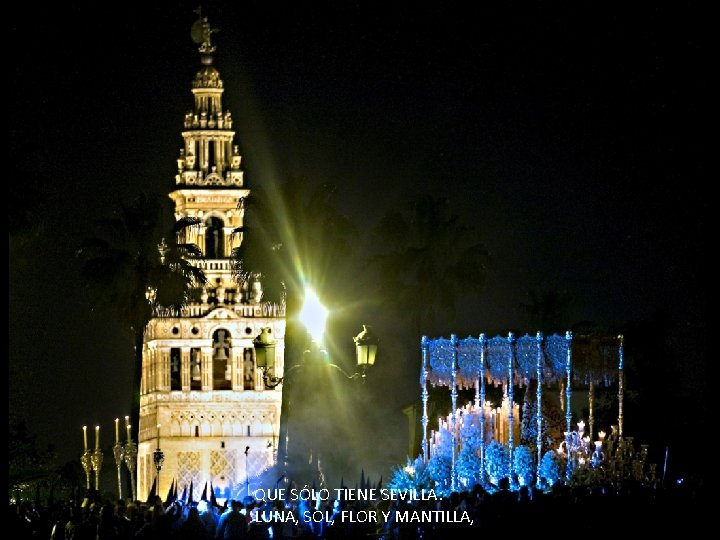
x,y
26,460
426,261
122,267
548,311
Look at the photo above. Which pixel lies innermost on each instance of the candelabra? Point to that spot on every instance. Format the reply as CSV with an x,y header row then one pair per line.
x,y
641,469
612,459
576,447
625,462
130,457
97,460
86,461
119,455
91,461
598,456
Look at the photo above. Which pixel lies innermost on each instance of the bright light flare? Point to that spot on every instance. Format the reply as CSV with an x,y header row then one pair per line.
x,y
313,315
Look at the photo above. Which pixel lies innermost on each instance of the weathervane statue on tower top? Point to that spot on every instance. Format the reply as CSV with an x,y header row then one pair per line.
x,y
201,33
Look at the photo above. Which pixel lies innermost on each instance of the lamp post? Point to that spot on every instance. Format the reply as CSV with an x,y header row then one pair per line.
x,y
303,397
366,344
158,460
247,472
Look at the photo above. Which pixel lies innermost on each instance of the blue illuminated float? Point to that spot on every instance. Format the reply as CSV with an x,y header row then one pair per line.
x,y
480,443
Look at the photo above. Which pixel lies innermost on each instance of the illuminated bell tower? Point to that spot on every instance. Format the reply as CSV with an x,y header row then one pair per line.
x,y
218,421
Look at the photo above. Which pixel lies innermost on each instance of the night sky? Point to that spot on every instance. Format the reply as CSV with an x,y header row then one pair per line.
x,y
573,136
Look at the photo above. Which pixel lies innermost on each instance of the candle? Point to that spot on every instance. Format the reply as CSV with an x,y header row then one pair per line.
x,y
85,436
127,427
97,437
117,430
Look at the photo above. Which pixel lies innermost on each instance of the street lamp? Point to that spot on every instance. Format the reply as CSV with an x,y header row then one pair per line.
x,y
247,474
366,344
158,460
313,315
265,357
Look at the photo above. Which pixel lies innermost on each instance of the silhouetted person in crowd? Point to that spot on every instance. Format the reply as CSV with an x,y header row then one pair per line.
x,y
192,528
107,525
232,525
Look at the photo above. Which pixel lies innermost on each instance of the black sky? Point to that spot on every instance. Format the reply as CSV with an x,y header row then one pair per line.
x,y
574,136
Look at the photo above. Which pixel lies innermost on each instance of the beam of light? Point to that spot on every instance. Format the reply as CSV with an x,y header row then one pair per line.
x,y
313,315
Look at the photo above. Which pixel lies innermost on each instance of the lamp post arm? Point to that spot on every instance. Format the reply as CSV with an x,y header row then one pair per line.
x,y
346,374
292,369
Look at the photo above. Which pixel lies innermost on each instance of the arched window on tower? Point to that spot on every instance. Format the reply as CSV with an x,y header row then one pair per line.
x,y
222,367
195,369
175,369
211,155
214,238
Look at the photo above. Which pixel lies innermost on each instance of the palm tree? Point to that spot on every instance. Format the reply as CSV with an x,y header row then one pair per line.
x,y
425,264
130,266
28,463
426,260
548,310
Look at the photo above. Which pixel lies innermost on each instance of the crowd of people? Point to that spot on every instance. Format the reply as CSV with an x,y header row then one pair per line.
x,y
631,508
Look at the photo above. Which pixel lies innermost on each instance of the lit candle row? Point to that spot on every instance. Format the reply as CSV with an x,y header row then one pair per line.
x,y
97,437
97,433
470,413
495,420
